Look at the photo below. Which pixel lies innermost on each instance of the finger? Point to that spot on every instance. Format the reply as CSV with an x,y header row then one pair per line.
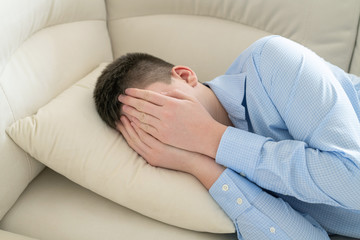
x,y
145,127
145,137
133,136
176,93
140,104
141,116
128,139
124,132
120,127
147,95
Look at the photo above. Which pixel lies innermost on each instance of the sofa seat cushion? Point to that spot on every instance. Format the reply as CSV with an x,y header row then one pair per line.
x,y
53,207
12,236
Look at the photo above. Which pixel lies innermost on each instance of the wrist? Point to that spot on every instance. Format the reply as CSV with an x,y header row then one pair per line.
x,y
212,139
206,170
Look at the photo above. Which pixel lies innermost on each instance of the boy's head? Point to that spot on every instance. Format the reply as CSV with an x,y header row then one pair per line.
x,y
131,70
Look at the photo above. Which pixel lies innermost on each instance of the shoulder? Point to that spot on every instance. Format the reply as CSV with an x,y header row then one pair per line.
x,y
254,52
281,59
280,47
272,43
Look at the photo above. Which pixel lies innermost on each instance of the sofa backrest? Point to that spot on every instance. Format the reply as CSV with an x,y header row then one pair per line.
x,y
45,46
207,35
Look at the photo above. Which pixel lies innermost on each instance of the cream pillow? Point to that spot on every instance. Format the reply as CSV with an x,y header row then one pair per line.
x,y
68,136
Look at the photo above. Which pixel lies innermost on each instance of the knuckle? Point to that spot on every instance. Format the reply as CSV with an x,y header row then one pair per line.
x,y
139,105
146,127
132,141
146,95
126,109
142,117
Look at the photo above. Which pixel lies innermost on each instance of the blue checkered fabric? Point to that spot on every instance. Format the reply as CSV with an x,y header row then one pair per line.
x,y
293,155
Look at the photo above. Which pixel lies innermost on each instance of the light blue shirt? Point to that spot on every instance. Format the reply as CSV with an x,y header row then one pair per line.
x,y
293,155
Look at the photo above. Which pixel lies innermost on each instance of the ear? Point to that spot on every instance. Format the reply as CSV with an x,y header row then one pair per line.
x,y
186,74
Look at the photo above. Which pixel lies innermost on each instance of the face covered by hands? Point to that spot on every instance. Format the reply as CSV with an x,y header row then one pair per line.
x,y
174,118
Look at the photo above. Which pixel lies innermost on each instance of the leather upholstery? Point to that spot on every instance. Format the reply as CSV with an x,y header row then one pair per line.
x,y
210,34
47,45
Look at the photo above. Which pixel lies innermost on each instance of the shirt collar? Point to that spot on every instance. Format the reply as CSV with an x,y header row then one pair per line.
x,y
230,90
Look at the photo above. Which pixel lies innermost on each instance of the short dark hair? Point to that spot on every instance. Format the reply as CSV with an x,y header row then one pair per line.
x,y
131,70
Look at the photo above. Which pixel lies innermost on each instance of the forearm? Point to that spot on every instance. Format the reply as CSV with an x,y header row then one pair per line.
x,y
250,206
291,168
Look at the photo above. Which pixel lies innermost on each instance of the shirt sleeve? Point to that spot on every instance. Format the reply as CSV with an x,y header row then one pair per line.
x,y
258,215
321,163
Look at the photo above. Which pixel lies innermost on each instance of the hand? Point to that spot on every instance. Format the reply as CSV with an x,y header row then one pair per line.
x,y
176,119
159,154
152,150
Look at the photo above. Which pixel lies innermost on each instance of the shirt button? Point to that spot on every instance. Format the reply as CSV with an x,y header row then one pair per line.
x,y
243,174
225,187
239,201
272,230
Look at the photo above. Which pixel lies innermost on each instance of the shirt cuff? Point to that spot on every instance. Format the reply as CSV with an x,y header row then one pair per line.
x,y
234,193
240,150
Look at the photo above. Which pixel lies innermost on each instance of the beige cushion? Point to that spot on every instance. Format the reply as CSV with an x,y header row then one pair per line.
x,y
68,136
55,208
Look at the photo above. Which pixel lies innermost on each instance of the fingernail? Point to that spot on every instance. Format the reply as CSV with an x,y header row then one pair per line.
x,y
120,97
123,108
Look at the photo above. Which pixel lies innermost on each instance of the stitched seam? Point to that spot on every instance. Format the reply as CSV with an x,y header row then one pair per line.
x,y
308,15
13,117
198,15
108,31
354,46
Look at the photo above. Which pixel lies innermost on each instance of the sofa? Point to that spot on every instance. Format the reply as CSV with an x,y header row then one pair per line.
x,y
48,45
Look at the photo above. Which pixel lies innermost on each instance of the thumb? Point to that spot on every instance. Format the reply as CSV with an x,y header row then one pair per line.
x,y
178,94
